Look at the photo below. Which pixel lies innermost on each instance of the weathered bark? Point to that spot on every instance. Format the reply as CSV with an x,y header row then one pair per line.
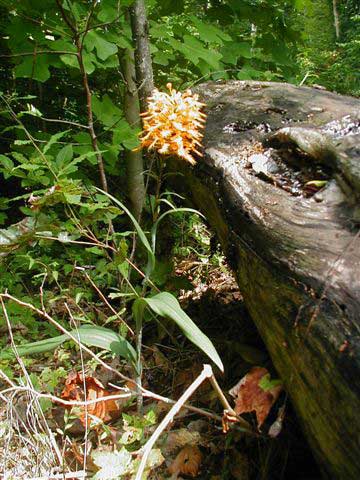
x,y
143,64
133,159
336,19
296,259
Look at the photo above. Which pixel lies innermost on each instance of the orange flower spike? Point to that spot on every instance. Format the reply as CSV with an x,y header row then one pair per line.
x,y
172,123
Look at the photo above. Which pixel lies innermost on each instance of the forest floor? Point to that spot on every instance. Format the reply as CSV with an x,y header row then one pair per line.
x,y
170,364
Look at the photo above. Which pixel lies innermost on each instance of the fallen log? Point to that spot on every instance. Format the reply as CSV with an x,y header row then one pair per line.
x,y
279,183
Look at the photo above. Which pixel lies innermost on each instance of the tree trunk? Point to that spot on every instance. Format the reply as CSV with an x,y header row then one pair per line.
x,y
296,257
336,19
133,159
143,64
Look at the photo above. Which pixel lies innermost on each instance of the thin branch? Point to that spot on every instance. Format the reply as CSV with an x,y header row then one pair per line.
x,y
169,417
43,24
38,52
87,23
63,330
131,382
105,300
67,122
28,134
67,403
61,476
65,17
226,404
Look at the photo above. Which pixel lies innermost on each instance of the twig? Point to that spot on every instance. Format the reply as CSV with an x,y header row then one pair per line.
x,y
67,403
226,404
146,393
37,52
86,416
61,476
63,330
67,122
105,300
26,375
65,17
169,417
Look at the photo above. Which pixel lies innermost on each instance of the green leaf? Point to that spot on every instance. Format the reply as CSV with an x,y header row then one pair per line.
x,y
6,162
108,11
166,305
104,49
267,384
317,183
35,67
209,33
139,231
53,139
89,60
89,335
70,60
235,50
104,109
64,156
194,50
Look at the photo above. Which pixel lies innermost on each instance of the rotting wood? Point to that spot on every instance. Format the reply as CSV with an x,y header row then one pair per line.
x,y
296,259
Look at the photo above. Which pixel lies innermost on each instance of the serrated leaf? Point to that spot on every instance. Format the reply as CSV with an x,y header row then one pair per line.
x,y
53,139
194,50
6,162
64,156
210,33
167,306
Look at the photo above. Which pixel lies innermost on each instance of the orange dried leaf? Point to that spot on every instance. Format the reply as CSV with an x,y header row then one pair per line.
x,y
249,396
187,461
74,390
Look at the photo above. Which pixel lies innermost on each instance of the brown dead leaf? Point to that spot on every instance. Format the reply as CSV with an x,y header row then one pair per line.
x,y
187,461
74,390
178,439
249,396
239,467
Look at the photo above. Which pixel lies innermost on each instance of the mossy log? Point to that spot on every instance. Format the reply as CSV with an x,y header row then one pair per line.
x,y
296,257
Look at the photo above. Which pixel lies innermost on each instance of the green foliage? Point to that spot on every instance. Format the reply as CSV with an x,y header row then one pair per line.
x,y
166,305
89,335
325,61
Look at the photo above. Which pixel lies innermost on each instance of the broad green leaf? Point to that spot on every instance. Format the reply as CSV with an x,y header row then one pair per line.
x,y
89,335
235,50
108,11
35,67
104,49
210,33
125,135
89,60
64,156
105,110
70,60
194,50
166,305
